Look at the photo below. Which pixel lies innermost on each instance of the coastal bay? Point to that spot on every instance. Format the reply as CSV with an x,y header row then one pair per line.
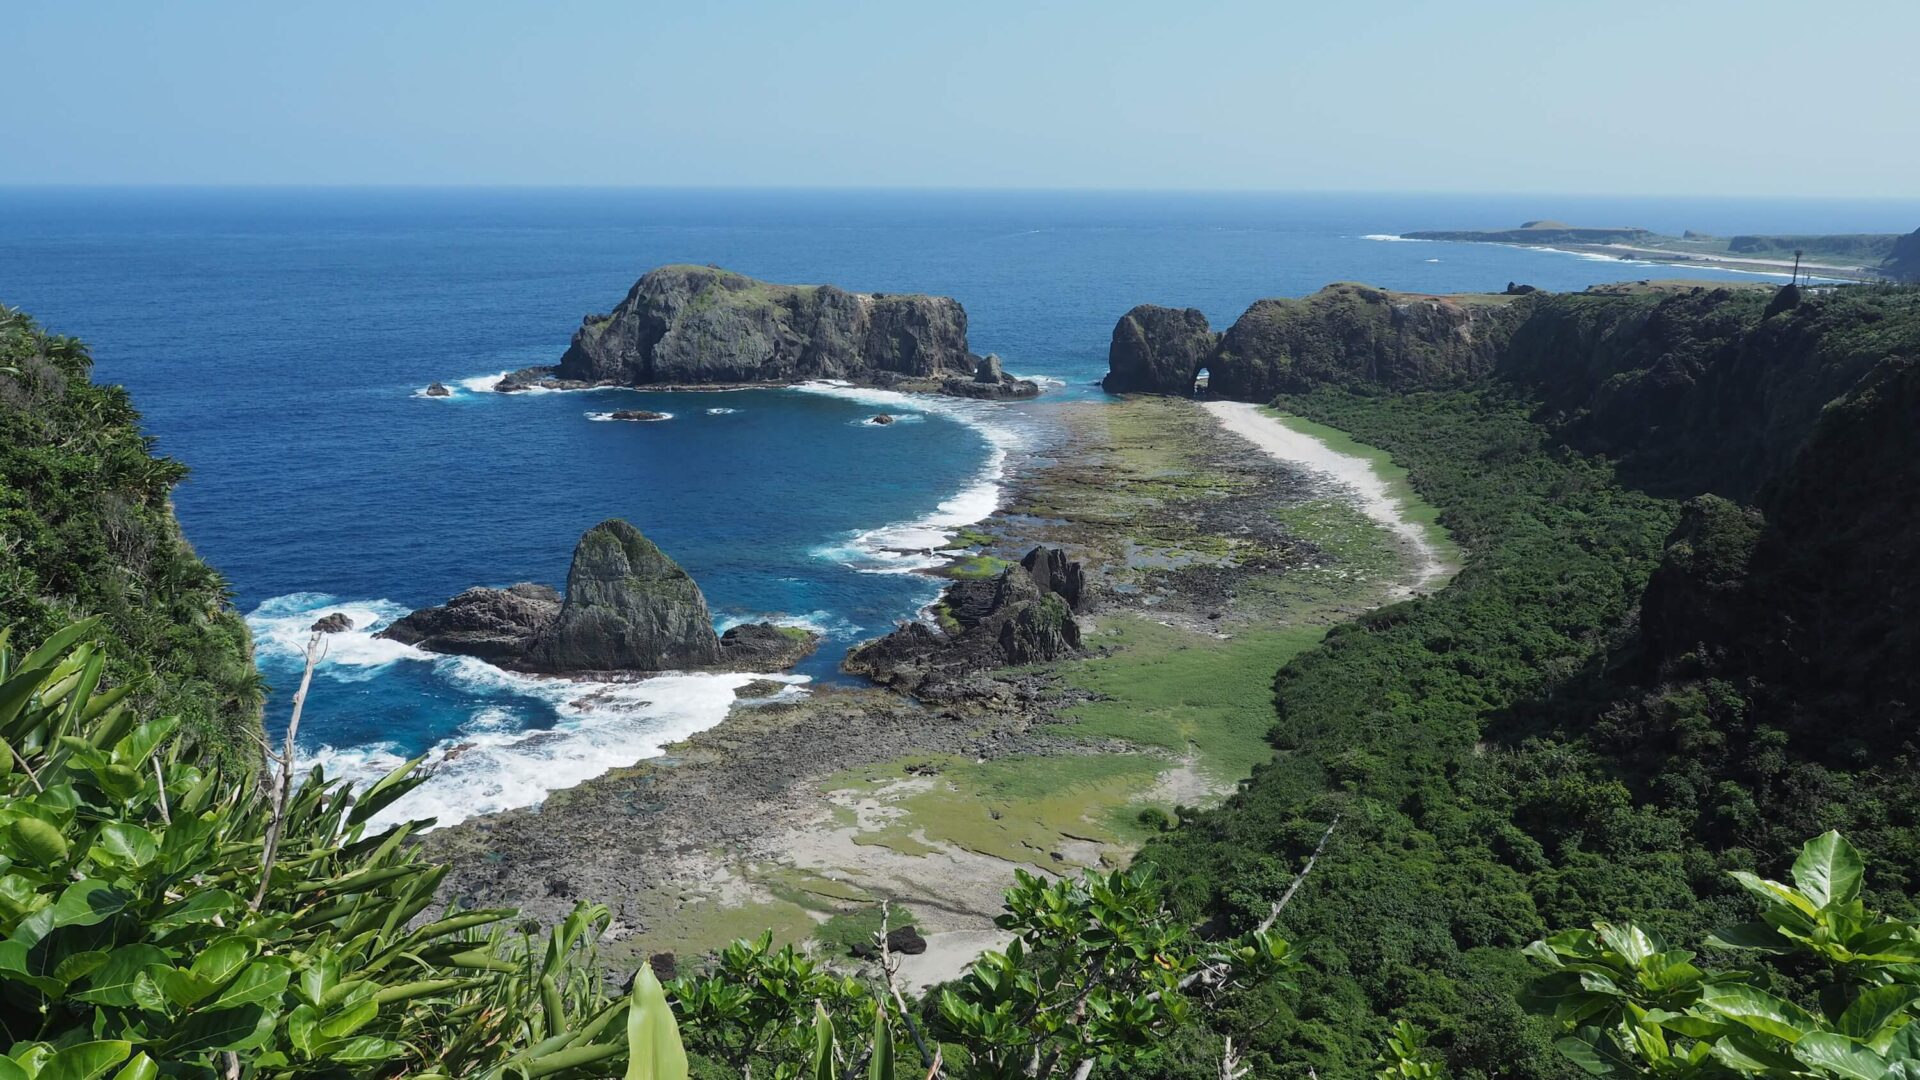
x,y
1212,559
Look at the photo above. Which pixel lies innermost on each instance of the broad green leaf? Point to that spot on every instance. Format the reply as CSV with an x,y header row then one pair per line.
x,y
141,1067
112,983
1757,936
654,1051
1594,1053
222,960
1774,893
1744,1053
1829,870
241,1028
260,982
86,903
1841,1055
1758,1010
125,844
1873,1009
41,843
364,1049
84,1061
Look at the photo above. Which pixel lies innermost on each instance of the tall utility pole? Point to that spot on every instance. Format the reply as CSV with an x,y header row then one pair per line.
x,y
1796,266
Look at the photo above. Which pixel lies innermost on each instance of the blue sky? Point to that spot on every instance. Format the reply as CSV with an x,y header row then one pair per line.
x,y
1746,97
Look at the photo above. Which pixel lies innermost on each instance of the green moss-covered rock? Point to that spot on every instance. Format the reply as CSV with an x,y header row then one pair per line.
x,y
628,607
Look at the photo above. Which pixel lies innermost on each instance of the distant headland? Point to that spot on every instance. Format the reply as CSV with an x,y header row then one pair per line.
x,y
1851,256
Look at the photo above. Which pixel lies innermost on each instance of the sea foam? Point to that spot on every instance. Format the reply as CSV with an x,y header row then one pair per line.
x,y
528,736
908,546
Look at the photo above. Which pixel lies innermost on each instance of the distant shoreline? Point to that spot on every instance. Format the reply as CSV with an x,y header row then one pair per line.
x,y
1840,257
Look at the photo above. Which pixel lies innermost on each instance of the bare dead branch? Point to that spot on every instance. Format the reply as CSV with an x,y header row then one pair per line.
x,y
283,787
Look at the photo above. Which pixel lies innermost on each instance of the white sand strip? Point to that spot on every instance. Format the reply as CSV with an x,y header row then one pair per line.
x,y
1371,492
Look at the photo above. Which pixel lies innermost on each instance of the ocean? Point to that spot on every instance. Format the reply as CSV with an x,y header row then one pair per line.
x,y
279,340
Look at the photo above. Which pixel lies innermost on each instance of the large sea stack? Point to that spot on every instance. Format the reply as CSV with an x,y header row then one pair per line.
x,y
628,607
703,326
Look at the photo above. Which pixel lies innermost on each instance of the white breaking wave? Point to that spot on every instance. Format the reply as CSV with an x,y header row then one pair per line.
x,y
1391,238
907,546
495,762
624,420
535,735
1042,381
824,623
283,625
721,412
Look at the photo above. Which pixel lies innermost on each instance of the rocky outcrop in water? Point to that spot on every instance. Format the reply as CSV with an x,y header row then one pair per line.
x,y
628,607
1158,350
1023,615
498,625
702,326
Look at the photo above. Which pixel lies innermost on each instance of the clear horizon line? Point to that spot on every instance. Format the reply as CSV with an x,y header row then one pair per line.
x,y
290,186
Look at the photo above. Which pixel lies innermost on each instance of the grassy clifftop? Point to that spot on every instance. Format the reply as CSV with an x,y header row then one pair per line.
x,y
86,528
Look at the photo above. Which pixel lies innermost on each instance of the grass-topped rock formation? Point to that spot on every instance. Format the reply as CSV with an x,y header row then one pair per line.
x,y
698,326
1345,334
628,607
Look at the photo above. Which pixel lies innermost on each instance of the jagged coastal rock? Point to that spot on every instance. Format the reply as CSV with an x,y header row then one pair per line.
x,y
1024,615
438,389
1158,350
697,326
628,607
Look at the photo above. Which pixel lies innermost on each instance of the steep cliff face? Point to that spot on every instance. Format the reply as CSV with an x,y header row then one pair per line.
x,y
694,325
1903,262
1695,389
1346,335
1158,350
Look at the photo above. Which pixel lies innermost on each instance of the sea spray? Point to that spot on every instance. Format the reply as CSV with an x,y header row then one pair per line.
x,y
909,546
524,735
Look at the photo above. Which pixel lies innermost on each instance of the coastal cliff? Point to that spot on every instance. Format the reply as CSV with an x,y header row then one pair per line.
x,y
703,326
627,607
87,530
1345,334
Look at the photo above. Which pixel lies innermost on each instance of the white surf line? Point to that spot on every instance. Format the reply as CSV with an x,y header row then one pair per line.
x,y
1375,496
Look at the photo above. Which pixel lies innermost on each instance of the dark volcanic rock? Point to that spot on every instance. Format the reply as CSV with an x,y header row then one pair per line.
x,y
1022,616
335,623
492,624
438,389
638,414
696,325
1158,350
904,940
628,608
882,419
765,647
989,370
1054,573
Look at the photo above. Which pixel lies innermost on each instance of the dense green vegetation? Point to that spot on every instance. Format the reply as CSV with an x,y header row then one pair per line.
x,y
86,529
161,917
1621,698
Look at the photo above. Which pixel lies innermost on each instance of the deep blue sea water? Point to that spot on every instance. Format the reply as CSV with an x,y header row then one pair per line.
x,y
277,341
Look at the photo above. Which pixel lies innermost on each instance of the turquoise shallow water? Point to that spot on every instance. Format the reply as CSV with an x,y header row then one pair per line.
x,y
277,341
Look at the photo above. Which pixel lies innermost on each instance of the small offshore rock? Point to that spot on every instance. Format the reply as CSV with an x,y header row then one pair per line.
x,y
438,389
335,623
637,414
882,419
989,370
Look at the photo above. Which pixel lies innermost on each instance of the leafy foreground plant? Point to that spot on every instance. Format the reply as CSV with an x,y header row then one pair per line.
x,y
1630,1006
141,937
160,918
